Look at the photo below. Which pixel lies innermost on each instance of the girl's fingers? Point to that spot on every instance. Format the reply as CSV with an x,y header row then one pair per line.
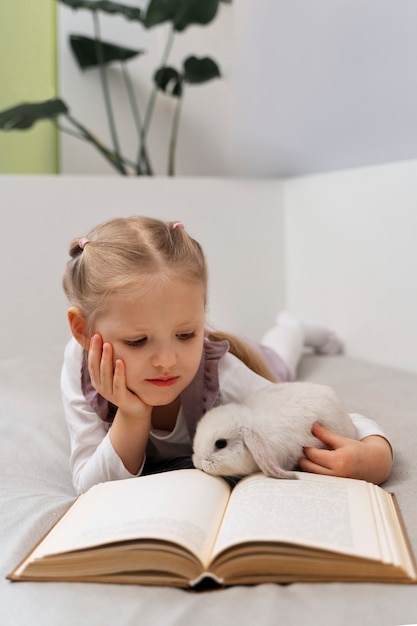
x,y
94,359
119,378
329,438
107,368
100,365
319,457
108,377
125,399
307,465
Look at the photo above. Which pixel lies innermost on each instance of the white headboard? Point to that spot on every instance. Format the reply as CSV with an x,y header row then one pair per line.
x,y
335,248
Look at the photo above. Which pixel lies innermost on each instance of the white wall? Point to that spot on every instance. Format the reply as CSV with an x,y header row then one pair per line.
x,y
324,85
306,87
351,258
239,224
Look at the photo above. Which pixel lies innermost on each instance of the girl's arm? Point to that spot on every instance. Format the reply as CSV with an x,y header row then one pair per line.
x,y
368,459
130,429
93,458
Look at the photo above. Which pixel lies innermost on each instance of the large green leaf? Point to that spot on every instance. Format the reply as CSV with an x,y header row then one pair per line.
x,y
130,13
169,80
200,70
86,53
25,115
160,11
195,12
181,13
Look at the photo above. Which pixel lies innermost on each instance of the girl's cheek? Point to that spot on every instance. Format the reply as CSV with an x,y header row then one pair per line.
x,y
117,354
127,356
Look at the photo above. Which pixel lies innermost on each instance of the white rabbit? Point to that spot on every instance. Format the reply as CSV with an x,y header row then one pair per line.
x,y
268,430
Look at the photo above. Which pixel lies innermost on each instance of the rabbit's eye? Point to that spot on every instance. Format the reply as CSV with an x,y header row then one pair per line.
x,y
220,443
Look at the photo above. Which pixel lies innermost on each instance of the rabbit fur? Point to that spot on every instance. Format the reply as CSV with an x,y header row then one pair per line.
x,y
268,430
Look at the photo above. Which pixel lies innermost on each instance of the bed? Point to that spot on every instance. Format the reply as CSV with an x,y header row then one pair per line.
x,y
36,489
40,214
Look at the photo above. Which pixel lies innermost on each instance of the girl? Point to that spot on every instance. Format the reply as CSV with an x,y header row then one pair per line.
x,y
142,369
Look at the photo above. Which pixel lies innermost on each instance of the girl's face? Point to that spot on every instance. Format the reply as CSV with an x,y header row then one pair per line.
x,y
158,332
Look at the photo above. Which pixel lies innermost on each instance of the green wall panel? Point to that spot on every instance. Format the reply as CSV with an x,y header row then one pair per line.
x,y
28,73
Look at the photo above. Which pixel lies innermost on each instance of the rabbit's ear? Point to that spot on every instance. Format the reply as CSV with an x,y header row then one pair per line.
x,y
262,454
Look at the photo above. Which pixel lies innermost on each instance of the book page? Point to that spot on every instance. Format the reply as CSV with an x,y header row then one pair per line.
x,y
185,506
319,511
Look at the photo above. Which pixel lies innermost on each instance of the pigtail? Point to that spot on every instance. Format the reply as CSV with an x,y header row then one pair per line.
x,y
73,280
245,353
75,249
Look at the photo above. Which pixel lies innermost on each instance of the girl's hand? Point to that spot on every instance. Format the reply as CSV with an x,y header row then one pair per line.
x,y
110,380
369,459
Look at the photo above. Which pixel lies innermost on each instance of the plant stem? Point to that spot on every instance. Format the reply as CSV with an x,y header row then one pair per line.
x,y
114,160
152,99
174,135
106,93
136,115
103,148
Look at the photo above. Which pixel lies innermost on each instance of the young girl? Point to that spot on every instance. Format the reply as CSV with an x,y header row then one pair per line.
x,y
142,368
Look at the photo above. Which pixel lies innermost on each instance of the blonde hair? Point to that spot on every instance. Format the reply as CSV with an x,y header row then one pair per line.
x,y
114,256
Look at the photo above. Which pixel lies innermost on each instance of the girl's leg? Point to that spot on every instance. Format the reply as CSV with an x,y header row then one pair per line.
x,y
287,340
289,337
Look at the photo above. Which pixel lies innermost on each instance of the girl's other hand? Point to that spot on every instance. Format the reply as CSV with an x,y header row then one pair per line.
x,y
369,459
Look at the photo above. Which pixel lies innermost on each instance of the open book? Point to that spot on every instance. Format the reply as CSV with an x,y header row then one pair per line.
x,y
185,527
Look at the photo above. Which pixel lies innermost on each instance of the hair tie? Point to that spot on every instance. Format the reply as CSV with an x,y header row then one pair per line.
x,y
82,243
178,225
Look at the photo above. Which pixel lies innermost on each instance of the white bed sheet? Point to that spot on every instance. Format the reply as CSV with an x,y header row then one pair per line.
x,y
36,488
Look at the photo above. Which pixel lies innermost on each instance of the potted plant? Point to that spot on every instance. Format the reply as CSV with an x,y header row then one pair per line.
x,y
94,53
